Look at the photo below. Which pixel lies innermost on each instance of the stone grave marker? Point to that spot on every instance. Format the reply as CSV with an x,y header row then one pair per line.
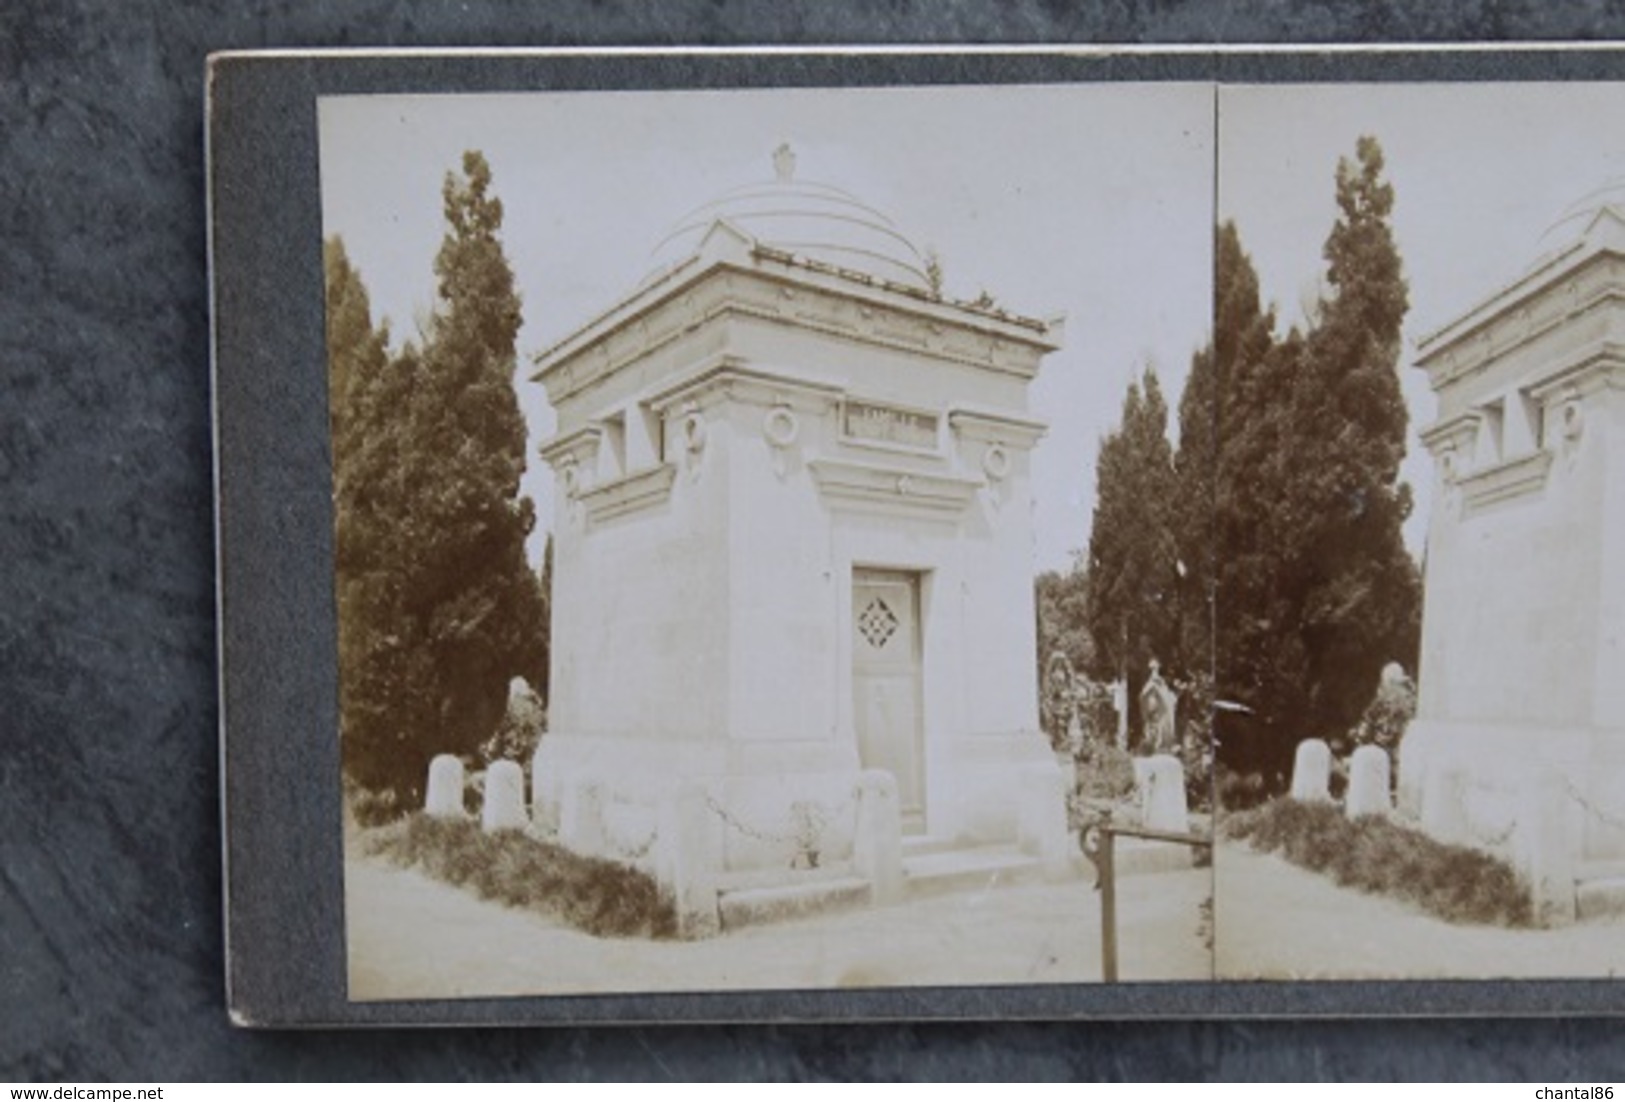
x,y
1369,783
444,799
1162,793
1119,691
1312,771
504,797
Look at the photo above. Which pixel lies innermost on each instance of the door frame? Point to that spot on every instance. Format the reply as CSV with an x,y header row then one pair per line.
x,y
914,817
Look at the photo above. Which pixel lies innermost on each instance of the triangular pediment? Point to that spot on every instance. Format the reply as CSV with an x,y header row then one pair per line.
x,y
1607,226
726,241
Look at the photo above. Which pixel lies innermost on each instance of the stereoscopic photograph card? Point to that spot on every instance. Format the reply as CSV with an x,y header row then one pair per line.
x,y
744,663
1432,334
971,534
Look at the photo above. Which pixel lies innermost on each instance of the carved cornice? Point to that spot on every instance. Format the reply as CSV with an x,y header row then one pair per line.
x,y
1519,291
768,286
581,444
1507,480
944,333
726,377
1455,431
992,427
893,489
1540,302
631,494
1597,366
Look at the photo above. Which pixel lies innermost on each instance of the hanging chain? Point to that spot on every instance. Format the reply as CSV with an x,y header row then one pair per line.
x,y
804,835
1592,809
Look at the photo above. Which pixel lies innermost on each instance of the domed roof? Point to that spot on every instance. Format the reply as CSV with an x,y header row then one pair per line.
x,y
1579,215
811,220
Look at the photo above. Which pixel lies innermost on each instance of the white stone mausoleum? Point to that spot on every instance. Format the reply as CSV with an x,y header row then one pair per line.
x,y
793,624
1519,741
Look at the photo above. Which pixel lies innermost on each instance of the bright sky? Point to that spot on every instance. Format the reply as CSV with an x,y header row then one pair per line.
x,y
1090,200
1479,173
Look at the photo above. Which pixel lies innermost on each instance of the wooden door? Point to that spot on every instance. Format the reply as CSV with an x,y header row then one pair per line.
x,y
886,683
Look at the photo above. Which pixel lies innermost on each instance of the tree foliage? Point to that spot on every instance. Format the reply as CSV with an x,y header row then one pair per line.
x,y
438,608
1355,589
1063,617
1062,602
355,349
1133,572
1212,402
1297,442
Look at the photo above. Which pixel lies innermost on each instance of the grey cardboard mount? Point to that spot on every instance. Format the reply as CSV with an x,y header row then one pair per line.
x,y
284,894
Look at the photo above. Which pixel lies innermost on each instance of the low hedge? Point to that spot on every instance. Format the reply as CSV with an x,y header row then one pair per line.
x,y
1374,854
599,897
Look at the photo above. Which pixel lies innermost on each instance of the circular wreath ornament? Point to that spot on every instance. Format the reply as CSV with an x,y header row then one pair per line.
x,y
694,434
1572,418
781,427
996,462
1447,466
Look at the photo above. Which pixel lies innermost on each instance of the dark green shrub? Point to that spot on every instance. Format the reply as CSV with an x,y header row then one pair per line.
x,y
1373,854
601,897
371,809
1105,772
1238,791
1196,740
521,729
1391,710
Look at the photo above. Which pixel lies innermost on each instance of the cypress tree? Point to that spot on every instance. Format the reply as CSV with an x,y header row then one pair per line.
x,y
1312,586
1133,558
1356,589
438,608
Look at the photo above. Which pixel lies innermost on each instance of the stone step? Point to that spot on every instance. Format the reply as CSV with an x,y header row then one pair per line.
x,y
1599,870
778,877
1601,897
918,845
953,870
775,903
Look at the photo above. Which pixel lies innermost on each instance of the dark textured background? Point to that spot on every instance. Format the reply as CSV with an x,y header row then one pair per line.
x,y
111,960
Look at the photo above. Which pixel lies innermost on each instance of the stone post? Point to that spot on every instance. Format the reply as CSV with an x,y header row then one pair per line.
x,y
581,816
1547,848
444,799
689,860
877,845
504,807
1312,771
1041,822
544,794
1412,770
1369,783
1444,809
1162,793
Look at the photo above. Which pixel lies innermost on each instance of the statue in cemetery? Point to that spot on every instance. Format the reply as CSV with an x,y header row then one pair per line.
x,y
1119,691
1060,702
1158,703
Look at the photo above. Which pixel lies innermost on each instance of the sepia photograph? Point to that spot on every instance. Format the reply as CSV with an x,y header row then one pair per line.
x,y
770,539
1092,537
1419,531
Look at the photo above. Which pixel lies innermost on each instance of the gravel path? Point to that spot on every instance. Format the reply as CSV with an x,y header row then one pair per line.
x,y
1274,920
411,937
